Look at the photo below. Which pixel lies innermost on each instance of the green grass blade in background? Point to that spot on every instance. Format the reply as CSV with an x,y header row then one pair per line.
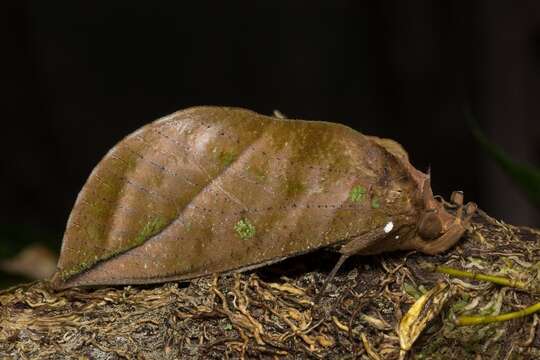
x,y
526,177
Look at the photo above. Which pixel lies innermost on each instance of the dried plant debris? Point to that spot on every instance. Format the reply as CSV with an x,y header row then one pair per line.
x,y
261,315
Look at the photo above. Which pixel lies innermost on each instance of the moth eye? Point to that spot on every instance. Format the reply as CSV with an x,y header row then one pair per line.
x,y
430,225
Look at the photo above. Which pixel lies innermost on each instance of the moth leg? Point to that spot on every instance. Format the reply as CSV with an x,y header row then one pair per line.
x,y
354,246
330,276
454,232
445,241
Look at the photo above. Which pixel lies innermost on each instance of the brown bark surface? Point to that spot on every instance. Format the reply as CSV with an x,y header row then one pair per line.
x,y
269,313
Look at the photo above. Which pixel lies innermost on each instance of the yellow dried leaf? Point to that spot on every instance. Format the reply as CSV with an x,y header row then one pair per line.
x,y
376,323
372,354
295,314
288,288
423,310
340,325
325,341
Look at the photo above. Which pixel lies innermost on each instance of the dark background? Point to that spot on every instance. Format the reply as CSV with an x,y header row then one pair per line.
x,y
80,75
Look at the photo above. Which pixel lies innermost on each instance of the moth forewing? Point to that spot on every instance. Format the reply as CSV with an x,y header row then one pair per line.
x,y
212,189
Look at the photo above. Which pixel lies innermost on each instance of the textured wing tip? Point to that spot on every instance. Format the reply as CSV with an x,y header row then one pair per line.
x,y
62,280
57,282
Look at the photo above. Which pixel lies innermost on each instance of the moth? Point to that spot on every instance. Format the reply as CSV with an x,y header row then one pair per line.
x,y
211,190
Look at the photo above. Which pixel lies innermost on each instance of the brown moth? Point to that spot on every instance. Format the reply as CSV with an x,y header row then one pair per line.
x,y
213,190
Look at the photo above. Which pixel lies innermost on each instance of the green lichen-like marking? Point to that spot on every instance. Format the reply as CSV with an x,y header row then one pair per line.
x,y
244,229
150,229
66,274
259,174
357,193
294,187
375,203
226,158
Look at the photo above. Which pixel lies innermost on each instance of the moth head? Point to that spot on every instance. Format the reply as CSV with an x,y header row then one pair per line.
x,y
438,228
434,219
430,225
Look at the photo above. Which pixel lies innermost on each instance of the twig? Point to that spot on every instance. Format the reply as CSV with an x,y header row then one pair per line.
x,y
475,320
479,276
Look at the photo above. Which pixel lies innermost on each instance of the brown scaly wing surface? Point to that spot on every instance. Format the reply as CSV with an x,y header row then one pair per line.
x,y
210,189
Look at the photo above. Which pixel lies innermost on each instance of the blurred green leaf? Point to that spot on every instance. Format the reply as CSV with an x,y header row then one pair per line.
x,y
527,177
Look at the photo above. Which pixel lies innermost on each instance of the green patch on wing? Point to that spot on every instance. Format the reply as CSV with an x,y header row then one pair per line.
x,y
375,203
244,229
357,193
78,268
150,229
294,187
257,172
226,158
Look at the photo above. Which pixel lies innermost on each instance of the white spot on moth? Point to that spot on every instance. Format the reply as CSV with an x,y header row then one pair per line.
x,y
397,237
388,227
